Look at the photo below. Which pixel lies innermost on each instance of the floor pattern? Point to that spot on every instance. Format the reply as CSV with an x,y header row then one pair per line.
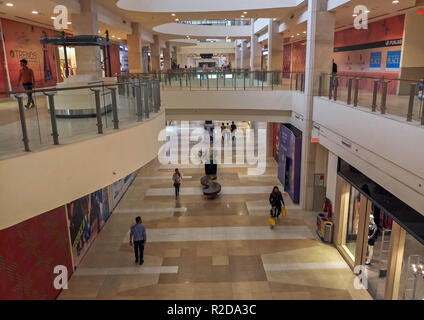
x,y
211,249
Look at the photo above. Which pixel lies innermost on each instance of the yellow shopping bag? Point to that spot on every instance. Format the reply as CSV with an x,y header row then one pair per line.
x,y
271,222
284,212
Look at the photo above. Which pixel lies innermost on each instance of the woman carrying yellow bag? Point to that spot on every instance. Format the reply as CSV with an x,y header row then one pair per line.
x,y
276,200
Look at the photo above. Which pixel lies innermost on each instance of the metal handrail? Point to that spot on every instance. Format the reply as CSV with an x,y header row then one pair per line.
x,y
369,77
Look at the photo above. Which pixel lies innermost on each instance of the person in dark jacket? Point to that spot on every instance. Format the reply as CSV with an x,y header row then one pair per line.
x,y
276,199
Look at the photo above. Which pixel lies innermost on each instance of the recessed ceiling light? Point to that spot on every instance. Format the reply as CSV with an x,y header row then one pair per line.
x,y
298,34
244,12
69,22
292,36
395,1
242,16
53,18
119,38
367,11
304,31
9,4
354,15
34,12
177,19
173,14
113,36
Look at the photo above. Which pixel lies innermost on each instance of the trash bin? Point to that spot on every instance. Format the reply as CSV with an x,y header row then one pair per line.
x,y
328,231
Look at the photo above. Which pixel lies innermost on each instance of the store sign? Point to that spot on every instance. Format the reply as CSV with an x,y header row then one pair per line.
x,y
375,60
393,59
421,91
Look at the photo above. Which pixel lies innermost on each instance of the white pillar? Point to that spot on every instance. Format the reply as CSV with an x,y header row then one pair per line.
x,y
155,54
275,47
134,50
83,23
412,62
319,52
166,59
255,51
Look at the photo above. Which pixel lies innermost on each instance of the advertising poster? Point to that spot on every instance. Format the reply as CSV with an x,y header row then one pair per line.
x,y
275,139
375,60
120,187
393,59
289,160
22,41
4,85
86,216
29,252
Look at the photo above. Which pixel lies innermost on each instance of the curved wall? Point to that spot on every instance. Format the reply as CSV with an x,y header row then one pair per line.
x,y
41,181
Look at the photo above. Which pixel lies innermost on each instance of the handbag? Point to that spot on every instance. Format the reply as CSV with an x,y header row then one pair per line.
x,y
283,213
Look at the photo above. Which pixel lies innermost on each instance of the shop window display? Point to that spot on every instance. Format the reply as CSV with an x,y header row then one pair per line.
x,y
353,220
412,278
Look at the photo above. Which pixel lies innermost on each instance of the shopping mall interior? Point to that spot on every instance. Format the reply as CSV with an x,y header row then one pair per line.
x,y
101,101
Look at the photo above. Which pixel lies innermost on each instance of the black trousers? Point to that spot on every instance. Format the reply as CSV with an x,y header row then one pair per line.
x,y
28,86
177,189
139,250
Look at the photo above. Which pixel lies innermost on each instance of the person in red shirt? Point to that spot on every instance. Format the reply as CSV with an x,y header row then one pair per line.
x,y
28,81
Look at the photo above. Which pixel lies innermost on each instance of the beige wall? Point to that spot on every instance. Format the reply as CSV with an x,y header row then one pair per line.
x,y
40,181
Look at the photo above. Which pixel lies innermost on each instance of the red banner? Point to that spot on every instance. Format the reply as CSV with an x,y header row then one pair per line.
x,y
29,252
22,41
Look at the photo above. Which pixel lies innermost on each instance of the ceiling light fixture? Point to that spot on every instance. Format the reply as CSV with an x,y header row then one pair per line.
x,y
113,36
34,12
69,22
173,14
367,11
304,31
244,12
119,38
53,18
395,1
9,4
298,34
242,16
177,19
354,15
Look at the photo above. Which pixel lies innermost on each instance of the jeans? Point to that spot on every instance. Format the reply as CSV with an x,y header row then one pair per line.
x,y
177,189
139,250
28,86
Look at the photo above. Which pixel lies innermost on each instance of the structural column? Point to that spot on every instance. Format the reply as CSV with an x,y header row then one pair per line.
x,y
319,52
166,58
255,50
134,50
245,61
412,62
155,54
86,22
275,47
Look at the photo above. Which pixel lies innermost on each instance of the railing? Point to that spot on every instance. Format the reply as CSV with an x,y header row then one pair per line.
x,y
230,80
227,22
399,97
63,115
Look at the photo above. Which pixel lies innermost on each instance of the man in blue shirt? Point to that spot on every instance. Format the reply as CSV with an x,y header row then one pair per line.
x,y
138,236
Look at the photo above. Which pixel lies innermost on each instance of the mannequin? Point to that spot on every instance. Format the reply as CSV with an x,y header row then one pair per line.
x,y
372,237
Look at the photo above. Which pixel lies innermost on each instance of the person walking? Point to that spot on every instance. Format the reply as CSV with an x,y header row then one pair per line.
x,y
138,237
233,130
177,177
276,199
223,131
28,81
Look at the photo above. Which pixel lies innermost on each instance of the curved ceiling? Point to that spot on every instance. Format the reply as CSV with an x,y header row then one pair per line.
x,y
200,31
203,5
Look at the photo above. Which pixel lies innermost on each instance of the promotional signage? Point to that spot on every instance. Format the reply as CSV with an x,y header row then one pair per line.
x,y
120,187
22,41
87,215
375,60
393,59
420,91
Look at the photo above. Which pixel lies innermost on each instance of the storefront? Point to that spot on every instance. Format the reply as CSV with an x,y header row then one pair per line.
x,y
379,236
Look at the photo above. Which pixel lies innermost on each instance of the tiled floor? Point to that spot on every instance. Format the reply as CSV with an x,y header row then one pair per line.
x,y
211,249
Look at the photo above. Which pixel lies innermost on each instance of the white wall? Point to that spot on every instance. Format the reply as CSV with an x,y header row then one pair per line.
x,y
259,100
41,181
